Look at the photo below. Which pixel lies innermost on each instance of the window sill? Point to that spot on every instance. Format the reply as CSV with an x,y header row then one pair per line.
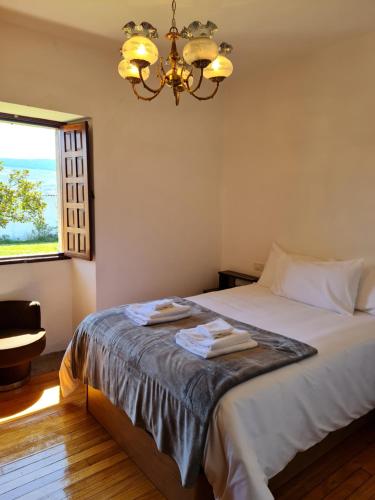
x,y
30,259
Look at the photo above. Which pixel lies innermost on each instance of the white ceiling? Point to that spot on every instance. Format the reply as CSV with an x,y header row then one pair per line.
x,y
260,26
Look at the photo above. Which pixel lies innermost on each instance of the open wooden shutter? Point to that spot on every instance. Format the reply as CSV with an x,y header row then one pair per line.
x,y
75,190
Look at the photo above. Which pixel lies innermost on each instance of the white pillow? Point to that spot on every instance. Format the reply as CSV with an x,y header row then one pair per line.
x,y
272,264
331,285
366,292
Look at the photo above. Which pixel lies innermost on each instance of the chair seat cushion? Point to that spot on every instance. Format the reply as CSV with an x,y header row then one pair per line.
x,y
18,346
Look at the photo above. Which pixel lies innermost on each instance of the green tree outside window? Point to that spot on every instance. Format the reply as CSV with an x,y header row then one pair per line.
x,y
21,200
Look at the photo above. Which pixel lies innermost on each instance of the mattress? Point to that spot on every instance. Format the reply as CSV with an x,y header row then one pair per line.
x,y
260,425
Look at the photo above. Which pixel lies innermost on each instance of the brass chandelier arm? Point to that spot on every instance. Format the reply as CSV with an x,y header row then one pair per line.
x,y
154,91
211,96
143,98
186,82
198,86
161,72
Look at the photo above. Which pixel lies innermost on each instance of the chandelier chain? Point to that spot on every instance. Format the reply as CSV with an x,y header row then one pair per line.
x,y
174,13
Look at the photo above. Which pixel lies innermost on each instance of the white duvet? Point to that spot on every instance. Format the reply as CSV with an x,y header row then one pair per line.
x,y
259,426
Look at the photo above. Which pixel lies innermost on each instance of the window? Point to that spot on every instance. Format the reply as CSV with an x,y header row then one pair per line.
x,y
44,189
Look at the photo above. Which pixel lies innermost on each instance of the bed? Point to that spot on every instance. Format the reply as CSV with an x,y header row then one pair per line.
x,y
258,427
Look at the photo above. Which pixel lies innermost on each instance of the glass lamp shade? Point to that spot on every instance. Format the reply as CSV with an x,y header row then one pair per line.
x,y
140,50
130,72
200,52
219,69
182,74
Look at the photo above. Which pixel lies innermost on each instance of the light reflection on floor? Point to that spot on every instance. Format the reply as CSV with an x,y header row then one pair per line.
x,y
49,397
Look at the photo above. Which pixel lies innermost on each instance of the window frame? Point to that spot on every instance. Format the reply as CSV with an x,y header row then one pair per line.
x,y
29,120
30,259
57,125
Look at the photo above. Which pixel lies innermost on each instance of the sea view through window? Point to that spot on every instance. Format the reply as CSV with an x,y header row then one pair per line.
x,y
29,201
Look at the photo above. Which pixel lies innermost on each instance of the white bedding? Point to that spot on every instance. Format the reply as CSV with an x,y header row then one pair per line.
x,y
259,426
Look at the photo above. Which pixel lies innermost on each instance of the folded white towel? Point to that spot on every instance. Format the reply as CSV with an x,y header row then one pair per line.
x,y
156,305
152,313
236,337
214,339
207,353
215,329
154,319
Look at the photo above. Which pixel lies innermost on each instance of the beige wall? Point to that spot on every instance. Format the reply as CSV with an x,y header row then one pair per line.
x,y
51,284
299,166
83,289
65,290
155,167
288,154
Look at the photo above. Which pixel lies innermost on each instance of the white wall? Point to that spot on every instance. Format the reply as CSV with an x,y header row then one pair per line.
x,y
299,166
156,169
65,289
158,207
50,283
295,144
83,289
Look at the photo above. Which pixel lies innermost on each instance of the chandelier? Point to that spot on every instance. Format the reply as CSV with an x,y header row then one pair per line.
x,y
201,53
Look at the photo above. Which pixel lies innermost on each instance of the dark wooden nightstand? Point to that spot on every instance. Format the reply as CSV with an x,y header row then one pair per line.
x,y
230,279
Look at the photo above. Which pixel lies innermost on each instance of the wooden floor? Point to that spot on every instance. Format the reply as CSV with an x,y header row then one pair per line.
x,y
348,471
59,451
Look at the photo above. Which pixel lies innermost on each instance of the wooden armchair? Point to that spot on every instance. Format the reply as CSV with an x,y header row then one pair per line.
x,y
21,340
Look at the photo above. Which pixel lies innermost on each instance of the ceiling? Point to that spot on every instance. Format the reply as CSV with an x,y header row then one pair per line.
x,y
20,110
260,27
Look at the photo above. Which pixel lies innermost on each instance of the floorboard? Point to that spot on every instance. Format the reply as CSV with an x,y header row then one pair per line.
x,y
58,451
340,474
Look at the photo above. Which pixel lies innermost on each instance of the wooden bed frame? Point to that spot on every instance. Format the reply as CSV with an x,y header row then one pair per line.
x,y
141,448
163,471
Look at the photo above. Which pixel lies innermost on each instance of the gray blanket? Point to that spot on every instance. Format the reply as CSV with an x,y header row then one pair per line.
x,y
163,388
